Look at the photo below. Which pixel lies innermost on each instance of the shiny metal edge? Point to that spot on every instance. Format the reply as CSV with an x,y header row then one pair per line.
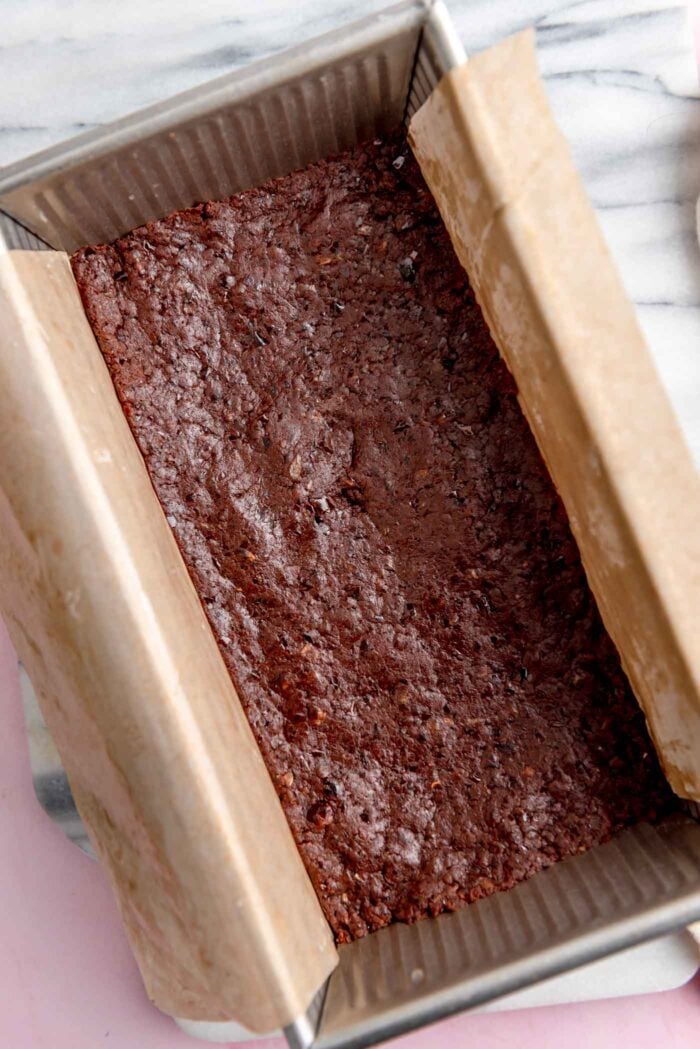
x,y
302,1033
238,131
51,784
440,50
643,883
14,237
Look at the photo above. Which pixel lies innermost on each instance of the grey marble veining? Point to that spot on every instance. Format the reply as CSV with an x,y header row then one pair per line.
x,y
620,75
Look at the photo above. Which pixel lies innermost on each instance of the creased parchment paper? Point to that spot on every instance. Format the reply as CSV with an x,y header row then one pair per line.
x,y
524,230
217,905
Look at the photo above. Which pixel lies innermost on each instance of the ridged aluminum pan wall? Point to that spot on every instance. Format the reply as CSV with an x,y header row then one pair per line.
x,y
236,132
15,237
643,883
216,140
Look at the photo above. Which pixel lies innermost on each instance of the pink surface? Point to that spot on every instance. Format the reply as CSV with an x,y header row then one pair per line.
x,y
68,981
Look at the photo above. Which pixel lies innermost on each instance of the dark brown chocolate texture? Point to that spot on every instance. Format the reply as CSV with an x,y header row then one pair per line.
x,y
382,556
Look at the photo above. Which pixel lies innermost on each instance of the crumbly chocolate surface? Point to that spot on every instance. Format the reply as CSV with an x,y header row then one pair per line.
x,y
381,553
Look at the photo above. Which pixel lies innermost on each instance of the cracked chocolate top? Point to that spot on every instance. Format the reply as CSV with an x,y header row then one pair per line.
x,y
380,551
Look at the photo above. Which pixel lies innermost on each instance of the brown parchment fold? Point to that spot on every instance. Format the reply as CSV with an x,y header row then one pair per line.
x,y
217,905
523,228
218,908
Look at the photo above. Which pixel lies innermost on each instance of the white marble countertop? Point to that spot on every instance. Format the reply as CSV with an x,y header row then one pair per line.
x,y
623,86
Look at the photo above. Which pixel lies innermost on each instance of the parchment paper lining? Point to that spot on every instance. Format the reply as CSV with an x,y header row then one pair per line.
x,y
161,759
523,228
217,905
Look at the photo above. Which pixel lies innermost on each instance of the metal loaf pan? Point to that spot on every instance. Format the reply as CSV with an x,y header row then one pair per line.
x,y
226,136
